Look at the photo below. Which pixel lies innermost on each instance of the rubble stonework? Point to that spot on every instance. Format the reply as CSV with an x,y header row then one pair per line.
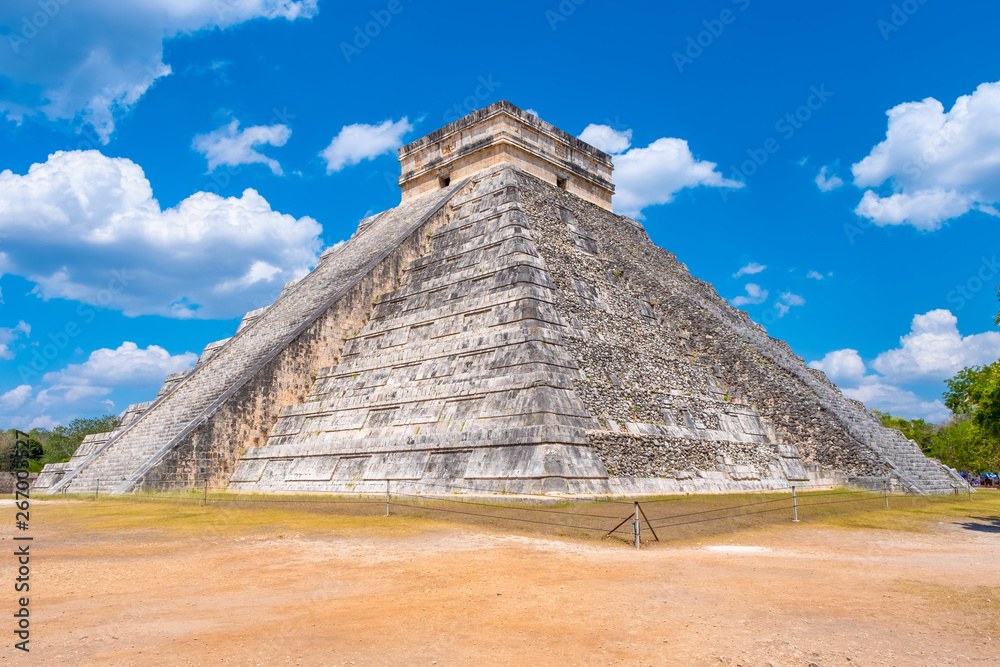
x,y
499,334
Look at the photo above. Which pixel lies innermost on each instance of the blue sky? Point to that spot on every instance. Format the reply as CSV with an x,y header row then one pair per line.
x,y
211,149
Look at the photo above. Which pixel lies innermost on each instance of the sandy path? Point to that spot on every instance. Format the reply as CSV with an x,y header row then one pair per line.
x,y
450,595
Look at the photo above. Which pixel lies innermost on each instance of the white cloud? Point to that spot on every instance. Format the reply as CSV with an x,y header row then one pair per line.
x,y
64,396
815,275
86,389
935,350
42,422
899,402
90,62
86,227
755,295
360,142
932,352
231,146
940,164
606,138
10,335
787,302
129,365
532,112
842,366
925,209
826,184
653,175
847,369
15,398
752,268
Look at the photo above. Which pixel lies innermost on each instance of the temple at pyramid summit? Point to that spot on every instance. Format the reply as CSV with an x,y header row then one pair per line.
x,y
500,331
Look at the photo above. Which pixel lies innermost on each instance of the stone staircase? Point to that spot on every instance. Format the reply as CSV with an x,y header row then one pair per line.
x,y
119,463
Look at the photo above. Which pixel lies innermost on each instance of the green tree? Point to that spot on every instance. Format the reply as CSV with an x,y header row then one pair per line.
x,y
60,443
917,429
976,392
8,444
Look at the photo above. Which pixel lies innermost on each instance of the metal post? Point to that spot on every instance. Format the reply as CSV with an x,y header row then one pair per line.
x,y
387,497
795,506
635,526
885,488
204,499
97,488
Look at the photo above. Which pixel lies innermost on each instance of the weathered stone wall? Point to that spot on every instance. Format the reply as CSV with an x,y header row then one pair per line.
x,y
213,391
457,379
658,346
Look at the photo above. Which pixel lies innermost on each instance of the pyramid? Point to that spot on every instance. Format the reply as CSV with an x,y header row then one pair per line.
x,y
500,331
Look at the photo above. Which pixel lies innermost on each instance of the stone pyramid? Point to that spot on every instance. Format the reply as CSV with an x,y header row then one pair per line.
x,y
500,331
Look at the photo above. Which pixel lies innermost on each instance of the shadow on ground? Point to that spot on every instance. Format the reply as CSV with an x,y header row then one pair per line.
x,y
982,524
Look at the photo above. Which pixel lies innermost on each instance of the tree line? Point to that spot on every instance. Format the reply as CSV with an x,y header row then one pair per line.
x,y
56,445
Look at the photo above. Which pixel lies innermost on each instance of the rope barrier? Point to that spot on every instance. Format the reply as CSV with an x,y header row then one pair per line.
x,y
502,518
726,509
837,502
720,518
517,509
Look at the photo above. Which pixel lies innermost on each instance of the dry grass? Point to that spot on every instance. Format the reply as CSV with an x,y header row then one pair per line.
x,y
675,518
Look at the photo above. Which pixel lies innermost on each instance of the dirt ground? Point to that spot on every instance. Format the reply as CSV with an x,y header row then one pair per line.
x,y
116,583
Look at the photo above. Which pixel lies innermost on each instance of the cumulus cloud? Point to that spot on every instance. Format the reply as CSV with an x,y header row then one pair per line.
x,y
8,335
925,209
932,352
842,366
86,227
815,275
755,295
607,138
752,268
87,388
848,370
15,398
90,62
899,402
652,175
128,365
827,184
358,142
65,395
940,165
230,146
935,350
